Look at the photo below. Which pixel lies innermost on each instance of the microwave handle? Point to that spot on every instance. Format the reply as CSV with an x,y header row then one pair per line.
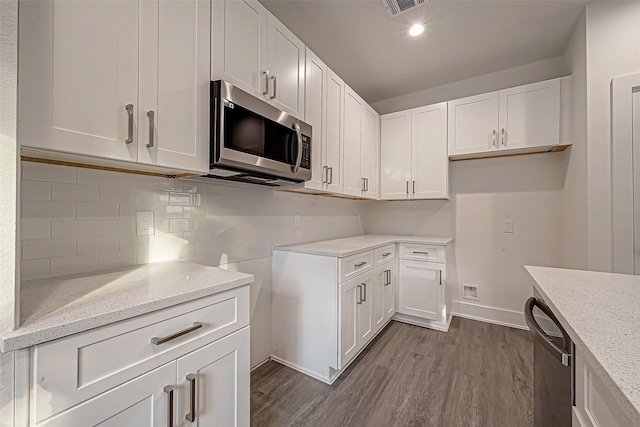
x,y
299,157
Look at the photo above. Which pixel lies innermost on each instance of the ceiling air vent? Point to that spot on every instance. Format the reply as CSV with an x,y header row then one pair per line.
x,y
397,7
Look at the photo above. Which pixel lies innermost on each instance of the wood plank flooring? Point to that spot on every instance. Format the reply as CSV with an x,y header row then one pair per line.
x,y
477,374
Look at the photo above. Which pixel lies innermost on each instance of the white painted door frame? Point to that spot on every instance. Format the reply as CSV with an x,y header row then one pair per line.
x,y
622,161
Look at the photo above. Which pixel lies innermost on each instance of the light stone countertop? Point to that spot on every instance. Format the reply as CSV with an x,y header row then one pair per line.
x,y
352,245
601,314
56,307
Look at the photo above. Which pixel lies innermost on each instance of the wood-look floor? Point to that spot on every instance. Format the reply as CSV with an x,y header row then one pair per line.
x,y
477,374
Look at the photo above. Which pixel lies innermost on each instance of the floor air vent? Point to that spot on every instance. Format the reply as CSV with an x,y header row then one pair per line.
x,y
397,7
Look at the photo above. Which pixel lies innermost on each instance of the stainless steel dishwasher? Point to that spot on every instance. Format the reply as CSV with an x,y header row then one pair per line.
x,y
552,370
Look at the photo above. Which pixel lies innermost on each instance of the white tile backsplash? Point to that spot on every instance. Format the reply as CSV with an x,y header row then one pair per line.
x,y
92,226
35,190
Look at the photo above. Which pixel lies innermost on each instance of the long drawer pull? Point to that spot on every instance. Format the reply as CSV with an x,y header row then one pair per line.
x,y
169,389
162,340
421,253
360,264
191,416
386,254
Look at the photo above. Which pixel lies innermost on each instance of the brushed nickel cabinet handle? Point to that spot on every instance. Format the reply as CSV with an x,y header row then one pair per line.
x,y
364,286
503,139
440,274
129,108
169,389
366,182
363,185
266,82
386,278
330,175
360,264
421,253
191,416
407,188
414,187
494,142
275,86
162,340
386,254
359,295
152,127
325,174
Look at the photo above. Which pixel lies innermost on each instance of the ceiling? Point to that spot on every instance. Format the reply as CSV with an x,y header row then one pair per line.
x,y
376,57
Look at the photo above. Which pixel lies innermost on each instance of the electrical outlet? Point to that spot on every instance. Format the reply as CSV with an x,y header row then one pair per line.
x,y
296,220
508,226
144,223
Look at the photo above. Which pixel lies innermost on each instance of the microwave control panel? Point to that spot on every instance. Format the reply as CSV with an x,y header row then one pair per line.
x,y
306,152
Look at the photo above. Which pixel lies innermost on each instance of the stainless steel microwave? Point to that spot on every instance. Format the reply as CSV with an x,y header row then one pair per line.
x,y
252,141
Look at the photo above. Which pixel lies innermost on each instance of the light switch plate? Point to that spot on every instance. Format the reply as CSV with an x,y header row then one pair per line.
x,y
508,226
144,223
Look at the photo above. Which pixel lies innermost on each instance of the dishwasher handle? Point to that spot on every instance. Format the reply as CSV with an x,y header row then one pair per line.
x,y
562,354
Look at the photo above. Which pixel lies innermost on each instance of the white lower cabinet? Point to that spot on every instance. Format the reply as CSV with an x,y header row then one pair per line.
x,y
188,364
384,298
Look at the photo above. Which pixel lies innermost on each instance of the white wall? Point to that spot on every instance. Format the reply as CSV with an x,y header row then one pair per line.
x,y
76,220
574,198
8,183
613,50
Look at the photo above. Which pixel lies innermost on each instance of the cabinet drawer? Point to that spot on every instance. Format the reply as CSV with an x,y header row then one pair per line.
x,y
422,252
384,254
81,366
355,265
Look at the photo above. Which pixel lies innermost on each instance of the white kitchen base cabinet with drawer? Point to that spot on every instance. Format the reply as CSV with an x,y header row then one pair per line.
x,y
424,298
191,359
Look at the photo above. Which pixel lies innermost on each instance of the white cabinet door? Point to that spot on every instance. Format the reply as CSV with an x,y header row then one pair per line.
x,y
530,115
473,124
365,309
239,39
349,297
353,106
430,163
78,71
395,160
285,60
175,44
334,141
370,152
141,402
219,373
315,110
389,294
420,290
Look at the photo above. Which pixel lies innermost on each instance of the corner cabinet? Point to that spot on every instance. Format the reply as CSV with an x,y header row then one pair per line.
x,y
120,375
524,119
251,49
124,81
414,162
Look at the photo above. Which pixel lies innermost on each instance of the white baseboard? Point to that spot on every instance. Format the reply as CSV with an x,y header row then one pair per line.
x,y
416,321
304,370
264,362
483,313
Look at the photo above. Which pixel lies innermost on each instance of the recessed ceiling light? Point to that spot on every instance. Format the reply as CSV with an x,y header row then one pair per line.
x,y
416,30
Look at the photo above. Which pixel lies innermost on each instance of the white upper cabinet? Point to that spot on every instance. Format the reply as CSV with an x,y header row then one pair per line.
x,y
175,45
530,115
473,124
316,77
430,164
370,152
414,154
395,159
78,72
333,148
123,80
524,119
239,40
353,105
251,49
285,61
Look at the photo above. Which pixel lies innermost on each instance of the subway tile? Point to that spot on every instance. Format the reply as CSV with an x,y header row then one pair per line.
x,y
130,210
182,224
193,212
98,177
31,171
73,264
118,195
35,229
97,211
124,227
42,210
167,239
116,259
168,184
74,193
35,190
151,197
74,228
139,182
47,248
34,268
217,190
135,243
163,211
99,244
181,199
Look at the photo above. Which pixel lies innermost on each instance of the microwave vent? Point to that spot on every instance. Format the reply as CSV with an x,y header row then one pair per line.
x,y
398,7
